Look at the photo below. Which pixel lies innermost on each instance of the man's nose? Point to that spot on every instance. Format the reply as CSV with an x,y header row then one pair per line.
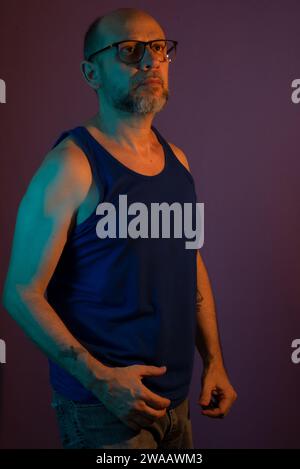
x,y
150,59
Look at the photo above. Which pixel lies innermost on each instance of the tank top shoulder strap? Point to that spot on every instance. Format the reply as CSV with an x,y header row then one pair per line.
x,y
78,135
161,139
175,163
168,150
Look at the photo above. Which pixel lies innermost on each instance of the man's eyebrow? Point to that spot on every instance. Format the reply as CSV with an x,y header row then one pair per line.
x,y
136,39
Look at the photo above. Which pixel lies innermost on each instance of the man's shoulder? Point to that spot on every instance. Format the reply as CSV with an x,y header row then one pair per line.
x,y
69,157
65,165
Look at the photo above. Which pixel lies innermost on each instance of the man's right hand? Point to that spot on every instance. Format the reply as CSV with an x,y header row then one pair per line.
x,y
125,395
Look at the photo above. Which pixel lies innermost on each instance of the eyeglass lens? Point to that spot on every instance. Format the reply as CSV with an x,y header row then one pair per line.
x,y
132,51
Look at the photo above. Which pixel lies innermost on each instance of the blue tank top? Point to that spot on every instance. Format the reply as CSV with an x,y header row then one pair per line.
x,y
129,300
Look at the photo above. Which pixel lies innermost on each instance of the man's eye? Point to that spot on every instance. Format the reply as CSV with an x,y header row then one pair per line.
x,y
128,49
158,47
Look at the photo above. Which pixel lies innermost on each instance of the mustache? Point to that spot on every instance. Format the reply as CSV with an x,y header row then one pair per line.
x,y
156,76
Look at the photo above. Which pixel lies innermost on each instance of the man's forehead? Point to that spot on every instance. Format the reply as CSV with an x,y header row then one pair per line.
x,y
139,28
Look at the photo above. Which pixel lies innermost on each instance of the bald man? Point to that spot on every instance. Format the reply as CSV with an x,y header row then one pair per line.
x,y
117,315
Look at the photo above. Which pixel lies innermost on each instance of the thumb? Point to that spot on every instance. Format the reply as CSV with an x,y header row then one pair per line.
x,y
153,370
205,395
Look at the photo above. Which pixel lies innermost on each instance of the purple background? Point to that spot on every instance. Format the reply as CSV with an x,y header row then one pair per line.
x,y
230,110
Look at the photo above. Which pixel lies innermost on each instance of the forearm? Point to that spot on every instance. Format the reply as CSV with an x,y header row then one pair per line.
x,y
44,327
207,335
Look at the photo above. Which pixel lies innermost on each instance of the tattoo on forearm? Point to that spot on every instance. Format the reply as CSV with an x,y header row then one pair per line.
x,y
72,352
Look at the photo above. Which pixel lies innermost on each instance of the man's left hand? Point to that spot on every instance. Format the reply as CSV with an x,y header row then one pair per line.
x,y
216,388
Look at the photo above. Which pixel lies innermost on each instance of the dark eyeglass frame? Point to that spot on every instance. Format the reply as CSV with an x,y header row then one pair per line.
x,y
145,43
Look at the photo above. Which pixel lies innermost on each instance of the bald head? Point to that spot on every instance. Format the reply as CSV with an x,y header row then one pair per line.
x,y
115,26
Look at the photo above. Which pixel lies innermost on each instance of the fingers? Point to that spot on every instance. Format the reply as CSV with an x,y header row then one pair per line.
x,y
151,413
155,401
151,406
144,414
214,413
142,418
221,411
206,395
146,370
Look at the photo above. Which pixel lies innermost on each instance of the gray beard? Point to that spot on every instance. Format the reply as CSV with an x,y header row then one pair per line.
x,y
145,104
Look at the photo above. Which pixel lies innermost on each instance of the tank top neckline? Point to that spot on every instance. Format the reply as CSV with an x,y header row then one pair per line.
x,y
126,168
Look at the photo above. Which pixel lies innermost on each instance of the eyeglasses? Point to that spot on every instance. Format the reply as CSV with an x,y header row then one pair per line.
x,y
131,52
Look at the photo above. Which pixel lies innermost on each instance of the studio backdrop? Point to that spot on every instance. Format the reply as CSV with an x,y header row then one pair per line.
x,y
234,109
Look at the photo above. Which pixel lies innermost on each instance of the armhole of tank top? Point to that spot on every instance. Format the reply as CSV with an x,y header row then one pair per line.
x,y
83,144
181,165
171,154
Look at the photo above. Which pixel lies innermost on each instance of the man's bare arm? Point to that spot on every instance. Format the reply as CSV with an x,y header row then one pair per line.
x,y
44,217
214,378
207,340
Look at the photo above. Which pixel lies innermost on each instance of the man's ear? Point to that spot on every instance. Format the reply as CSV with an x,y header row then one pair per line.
x,y
91,74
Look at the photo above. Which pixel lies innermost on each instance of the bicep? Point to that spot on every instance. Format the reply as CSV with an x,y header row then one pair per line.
x,y
44,217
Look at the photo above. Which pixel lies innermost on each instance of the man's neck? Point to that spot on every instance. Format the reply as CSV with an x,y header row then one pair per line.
x,y
133,133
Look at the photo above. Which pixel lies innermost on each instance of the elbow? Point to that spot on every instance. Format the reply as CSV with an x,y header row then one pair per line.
x,y
12,297
15,296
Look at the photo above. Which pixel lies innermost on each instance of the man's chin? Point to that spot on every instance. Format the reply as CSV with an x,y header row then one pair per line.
x,y
151,102
151,107
144,103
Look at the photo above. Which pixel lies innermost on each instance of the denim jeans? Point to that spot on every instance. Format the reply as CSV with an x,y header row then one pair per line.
x,y
94,426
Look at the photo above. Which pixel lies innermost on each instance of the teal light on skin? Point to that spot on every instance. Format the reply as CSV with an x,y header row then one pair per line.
x,y
2,91
116,83
23,272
